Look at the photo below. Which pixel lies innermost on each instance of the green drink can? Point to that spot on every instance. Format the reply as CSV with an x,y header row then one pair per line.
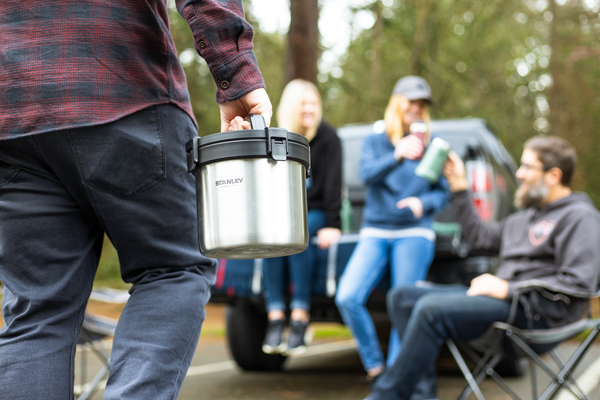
x,y
433,161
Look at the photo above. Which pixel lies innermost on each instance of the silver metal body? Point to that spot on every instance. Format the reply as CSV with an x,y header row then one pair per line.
x,y
252,208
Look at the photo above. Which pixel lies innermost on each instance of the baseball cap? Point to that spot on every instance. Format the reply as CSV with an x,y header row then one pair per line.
x,y
413,88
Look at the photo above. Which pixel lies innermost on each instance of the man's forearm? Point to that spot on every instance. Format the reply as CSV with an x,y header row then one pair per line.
x,y
478,233
224,39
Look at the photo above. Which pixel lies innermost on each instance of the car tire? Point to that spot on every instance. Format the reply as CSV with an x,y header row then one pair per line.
x,y
246,328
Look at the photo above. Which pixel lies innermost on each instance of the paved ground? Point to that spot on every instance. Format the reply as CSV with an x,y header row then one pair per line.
x,y
329,370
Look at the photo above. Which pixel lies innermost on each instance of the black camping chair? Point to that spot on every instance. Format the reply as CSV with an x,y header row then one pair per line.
x,y
505,340
94,329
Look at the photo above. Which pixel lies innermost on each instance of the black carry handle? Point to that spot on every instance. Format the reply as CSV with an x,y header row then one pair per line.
x,y
191,151
257,121
277,139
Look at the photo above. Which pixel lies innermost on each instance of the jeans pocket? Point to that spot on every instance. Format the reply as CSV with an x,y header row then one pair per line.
x,y
7,172
125,157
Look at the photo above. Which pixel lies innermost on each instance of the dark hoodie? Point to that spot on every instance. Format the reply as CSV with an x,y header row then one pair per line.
x,y
557,244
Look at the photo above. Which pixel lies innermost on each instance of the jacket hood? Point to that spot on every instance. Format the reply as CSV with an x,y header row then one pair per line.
x,y
573,198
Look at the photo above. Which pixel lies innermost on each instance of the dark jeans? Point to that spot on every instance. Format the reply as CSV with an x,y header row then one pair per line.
x,y
59,193
425,317
301,268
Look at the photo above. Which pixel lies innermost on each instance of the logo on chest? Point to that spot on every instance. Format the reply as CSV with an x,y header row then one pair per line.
x,y
540,232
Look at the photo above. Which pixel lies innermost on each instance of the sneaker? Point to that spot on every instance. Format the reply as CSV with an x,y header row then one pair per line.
x,y
273,343
297,340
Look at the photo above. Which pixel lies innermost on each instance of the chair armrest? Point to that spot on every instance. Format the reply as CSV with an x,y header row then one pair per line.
x,y
536,283
561,293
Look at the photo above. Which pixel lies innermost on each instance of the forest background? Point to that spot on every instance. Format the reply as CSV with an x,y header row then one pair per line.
x,y
525,66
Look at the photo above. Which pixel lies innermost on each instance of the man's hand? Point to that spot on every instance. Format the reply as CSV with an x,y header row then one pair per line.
x,y
454,170
234,112
415,205
489,285
410,147
327,236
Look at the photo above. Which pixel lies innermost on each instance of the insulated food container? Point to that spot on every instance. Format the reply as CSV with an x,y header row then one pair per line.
x,y
251,191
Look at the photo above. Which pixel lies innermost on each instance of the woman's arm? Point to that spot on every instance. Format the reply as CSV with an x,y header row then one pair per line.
x,y
332,202
435,200
375,163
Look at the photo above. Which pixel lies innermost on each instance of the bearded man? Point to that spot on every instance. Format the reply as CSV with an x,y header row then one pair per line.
x,y
552,239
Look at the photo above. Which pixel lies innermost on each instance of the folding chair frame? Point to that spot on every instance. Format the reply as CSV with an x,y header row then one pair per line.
x,y
98,348
94,329
520,341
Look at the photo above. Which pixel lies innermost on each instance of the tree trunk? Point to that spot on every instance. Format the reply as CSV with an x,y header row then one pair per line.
x,y
422,11
554,100
374,108
303,41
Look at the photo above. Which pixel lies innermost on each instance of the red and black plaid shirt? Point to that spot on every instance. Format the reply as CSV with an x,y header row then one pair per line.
x,y
75,63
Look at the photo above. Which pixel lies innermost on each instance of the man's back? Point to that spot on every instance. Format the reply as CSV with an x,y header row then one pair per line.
x,y
79,63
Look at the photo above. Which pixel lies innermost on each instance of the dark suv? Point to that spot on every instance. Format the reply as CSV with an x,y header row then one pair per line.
x,y
491,175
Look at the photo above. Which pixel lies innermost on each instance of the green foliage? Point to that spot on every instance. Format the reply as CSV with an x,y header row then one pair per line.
x,y
466,71
200,82
331,331
108,273
485,59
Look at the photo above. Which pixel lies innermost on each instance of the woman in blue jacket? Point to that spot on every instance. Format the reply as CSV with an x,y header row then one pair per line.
x,y
397,222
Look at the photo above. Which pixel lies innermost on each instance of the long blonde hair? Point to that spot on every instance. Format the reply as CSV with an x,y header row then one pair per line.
x,y
290,108
394,115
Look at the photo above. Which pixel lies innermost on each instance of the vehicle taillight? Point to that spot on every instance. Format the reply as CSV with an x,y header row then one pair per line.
x,y
481,184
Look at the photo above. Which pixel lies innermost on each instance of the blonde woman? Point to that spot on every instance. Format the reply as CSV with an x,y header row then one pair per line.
x,y
300,112
397,218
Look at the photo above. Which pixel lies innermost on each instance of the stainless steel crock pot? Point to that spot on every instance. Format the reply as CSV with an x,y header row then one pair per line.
x,y
251,192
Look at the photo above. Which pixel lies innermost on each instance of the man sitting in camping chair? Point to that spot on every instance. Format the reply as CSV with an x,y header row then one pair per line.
x,y
553,240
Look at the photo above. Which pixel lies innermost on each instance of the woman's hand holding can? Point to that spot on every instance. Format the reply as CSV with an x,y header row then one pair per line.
x,y
410,147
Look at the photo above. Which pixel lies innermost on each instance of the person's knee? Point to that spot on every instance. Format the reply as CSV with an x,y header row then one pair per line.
x,y
192,275
181,285
346,300
429,307
402,297
394,298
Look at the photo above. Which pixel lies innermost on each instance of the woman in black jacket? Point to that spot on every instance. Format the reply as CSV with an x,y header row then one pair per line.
x,y
300,112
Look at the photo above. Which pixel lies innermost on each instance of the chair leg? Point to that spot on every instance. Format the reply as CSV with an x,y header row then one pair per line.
x,y
84,365
570,376
91,388
464,369
485,367
533,372
488,370
556,384
100,351
502,383
98,348
558,380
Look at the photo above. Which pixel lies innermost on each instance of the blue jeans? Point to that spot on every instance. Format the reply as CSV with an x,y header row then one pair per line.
x,y
409,258
301,268
425,317
60,192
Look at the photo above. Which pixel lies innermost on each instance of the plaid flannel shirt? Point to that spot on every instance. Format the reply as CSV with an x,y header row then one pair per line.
x,y
75,63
